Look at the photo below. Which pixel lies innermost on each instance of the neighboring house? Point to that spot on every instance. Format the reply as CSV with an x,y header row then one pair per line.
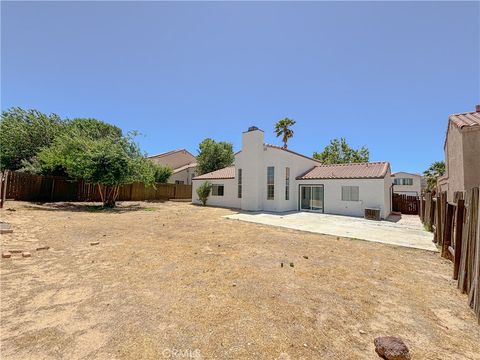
x,y
405,183
183,163
271,178
462,153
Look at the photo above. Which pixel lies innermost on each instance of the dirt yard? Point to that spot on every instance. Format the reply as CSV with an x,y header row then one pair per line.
x,y
177,281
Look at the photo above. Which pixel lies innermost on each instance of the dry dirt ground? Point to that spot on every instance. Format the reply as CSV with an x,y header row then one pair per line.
x,y
177,281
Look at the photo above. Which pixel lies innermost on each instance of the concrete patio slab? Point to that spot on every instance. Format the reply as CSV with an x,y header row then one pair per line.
x,y
394,233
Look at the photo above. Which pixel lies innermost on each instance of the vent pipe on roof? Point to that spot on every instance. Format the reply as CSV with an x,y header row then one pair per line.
x,y
477,108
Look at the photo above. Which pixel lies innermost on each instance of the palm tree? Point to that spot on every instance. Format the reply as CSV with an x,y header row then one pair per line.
x,y
433,172
282,128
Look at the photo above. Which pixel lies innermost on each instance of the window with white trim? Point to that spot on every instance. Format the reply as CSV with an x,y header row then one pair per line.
x,y
287,183
217,190
270,183
239,183
350,193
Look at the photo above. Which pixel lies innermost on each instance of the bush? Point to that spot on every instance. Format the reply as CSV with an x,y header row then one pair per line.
x,y
203,192
162,173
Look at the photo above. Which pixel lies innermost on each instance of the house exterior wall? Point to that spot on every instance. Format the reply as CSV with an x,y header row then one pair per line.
x,y
229,198
454,160
373,193
471,157
184,175
414,190
254,173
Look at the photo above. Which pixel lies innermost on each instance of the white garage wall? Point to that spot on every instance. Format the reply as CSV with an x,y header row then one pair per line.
x,y
230,196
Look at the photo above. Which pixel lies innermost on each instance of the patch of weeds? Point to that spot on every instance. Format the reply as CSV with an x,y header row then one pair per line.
x,y
150,209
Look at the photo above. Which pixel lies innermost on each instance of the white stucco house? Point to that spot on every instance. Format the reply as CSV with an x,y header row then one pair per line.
x,y
405,183
271,178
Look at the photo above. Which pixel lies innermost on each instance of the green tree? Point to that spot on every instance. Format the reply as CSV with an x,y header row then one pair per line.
x,y
162,173
214,155
435,170
108,161
203,192
339,152
23,133
283,129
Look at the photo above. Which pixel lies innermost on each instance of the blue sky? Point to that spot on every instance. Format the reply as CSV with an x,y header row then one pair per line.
x,y
382,74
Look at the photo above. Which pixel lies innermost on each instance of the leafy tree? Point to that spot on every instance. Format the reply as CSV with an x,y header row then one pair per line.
x,y
282,128
93,128
339,152
203,192
435,170
162,173
23,133
214,155
108,161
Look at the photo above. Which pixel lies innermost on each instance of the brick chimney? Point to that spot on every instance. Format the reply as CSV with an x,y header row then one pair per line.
x,y
477,108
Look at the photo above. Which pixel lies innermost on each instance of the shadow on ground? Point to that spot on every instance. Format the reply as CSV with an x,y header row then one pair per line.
x,y
87,207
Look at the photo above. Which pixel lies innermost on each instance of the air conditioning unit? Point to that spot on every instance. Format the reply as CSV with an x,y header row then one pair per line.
x,y
372,214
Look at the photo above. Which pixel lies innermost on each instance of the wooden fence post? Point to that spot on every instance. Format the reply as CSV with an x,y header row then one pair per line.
x,y
459,215
447,231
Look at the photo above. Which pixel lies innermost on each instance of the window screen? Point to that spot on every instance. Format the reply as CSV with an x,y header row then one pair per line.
x,y
350,193
217,190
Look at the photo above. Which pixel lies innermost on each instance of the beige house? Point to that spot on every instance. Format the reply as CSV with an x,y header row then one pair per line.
x,y
183,163
405,183
462,153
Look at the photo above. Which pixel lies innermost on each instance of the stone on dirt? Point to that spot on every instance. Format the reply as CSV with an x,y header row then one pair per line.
x,y
43,247
6,254
94,243
26,254
305,257
291,264
391,348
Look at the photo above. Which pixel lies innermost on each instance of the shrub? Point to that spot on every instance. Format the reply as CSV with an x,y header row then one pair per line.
x,y
203,192
162,173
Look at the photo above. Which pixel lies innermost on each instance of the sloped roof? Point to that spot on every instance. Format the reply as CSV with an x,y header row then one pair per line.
x,y
372,170
405,172
465,119
287,150
170,153
225,173
192,165
290,151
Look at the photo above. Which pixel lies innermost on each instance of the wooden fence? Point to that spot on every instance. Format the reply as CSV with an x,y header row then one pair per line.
x,y
27,187
405,204
456,228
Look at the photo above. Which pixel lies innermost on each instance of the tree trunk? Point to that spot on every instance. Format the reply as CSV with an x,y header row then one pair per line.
x,y
111,194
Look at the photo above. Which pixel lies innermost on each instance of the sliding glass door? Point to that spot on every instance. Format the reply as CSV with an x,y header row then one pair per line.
x,y
311,198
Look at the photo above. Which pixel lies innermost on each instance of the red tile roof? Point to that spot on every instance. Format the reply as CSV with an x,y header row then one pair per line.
x,y
466,119
373,170
225,173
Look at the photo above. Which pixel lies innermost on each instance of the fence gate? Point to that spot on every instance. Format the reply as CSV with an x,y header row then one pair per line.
x,y
405,204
